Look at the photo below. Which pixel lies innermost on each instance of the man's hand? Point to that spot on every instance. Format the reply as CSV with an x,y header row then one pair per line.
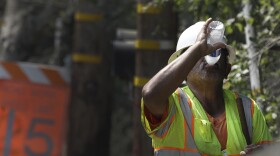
x,y
205,48
250,149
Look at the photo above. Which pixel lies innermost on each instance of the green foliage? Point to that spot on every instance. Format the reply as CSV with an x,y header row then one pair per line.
x,y
119,14
266,22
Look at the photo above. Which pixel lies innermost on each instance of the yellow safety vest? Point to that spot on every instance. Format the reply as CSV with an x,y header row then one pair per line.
x,y
187,131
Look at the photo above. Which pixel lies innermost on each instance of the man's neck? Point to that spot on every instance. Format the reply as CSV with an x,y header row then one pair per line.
x,y
210,95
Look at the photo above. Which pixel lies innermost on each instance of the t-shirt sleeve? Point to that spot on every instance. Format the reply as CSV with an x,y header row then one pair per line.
x,y
153,120
261,134
154,125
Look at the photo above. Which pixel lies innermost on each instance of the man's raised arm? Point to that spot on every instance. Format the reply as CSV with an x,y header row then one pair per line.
x,y
156,92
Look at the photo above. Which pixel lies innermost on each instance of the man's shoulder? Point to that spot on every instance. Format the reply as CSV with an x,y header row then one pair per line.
x,y
178,90
245,98
184,88
237,94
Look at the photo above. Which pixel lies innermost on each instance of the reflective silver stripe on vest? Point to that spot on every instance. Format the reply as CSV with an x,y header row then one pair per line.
x,y
190,141
163,130
247,104
175,153
185,107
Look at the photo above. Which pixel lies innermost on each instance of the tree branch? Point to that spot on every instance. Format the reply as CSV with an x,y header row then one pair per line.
x,y
269,44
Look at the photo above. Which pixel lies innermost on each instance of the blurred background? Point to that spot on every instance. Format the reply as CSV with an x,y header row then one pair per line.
x,y
112,48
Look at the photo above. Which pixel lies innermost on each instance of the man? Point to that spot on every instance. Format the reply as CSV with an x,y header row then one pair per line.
x,y
200,118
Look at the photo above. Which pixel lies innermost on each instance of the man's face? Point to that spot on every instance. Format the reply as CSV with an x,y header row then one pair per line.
x,y
210,73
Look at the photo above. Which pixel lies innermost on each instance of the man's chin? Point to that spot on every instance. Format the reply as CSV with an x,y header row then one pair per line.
x,y
211,77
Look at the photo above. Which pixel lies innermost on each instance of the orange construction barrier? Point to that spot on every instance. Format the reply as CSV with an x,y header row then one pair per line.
x,y
33,109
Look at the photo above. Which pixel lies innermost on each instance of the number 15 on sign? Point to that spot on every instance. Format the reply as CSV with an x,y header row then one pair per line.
x,y
32,134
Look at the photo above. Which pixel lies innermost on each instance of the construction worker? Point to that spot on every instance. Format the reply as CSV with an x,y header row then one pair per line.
x,y
200,118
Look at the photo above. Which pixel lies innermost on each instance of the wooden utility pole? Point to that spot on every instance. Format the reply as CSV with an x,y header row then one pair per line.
x,y
89,113
251,48
156,39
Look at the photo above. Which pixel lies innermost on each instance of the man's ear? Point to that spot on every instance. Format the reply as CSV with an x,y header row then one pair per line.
x,y
228,69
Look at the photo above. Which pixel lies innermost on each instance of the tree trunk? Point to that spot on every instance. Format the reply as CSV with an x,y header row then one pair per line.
x,y
12,30
252,52
89,113
27,31
156,38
